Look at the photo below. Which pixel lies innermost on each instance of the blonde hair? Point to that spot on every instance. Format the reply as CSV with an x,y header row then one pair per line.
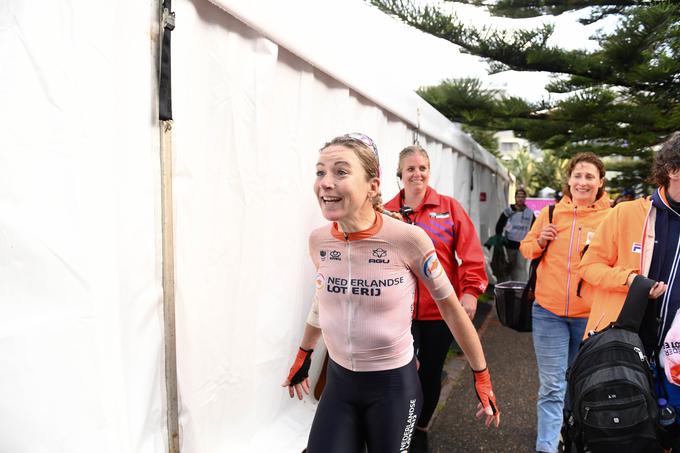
x,y
404,153
369,162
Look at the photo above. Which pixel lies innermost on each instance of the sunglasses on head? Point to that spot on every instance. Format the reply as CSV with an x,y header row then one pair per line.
x,y
366,141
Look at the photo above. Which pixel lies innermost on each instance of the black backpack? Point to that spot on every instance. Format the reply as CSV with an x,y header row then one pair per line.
x,y
611,404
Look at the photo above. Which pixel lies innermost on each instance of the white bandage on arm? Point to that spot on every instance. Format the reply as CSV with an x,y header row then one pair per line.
x,y
313,316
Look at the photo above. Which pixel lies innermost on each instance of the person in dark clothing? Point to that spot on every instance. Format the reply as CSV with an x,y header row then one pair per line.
x,y
642,237
513,224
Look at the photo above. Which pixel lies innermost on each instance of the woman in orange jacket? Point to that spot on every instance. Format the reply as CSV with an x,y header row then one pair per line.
x,y
559,316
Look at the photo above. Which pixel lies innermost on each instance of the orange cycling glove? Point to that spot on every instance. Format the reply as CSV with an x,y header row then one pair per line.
x,y
300,369
483,389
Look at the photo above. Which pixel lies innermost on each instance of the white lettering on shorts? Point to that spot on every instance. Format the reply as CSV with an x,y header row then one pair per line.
x,y
410,424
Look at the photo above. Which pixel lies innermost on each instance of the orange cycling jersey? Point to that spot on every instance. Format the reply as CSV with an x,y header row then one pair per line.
x,y
364,291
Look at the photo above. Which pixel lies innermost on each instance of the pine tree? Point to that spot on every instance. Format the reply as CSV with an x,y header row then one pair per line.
x,y
622,99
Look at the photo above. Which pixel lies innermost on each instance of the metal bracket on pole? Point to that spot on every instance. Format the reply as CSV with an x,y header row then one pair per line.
x,y
168,19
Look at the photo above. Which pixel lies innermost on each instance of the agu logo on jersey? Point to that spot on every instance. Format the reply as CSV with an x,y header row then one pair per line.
x,y
380,255
318,280
636,248
431,266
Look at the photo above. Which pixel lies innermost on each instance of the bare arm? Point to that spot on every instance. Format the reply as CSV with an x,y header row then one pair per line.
x,y
469,303
463,330
310,337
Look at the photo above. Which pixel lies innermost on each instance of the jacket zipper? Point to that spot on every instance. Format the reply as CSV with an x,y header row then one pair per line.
x,y
350,306
665,301
571,243
578,251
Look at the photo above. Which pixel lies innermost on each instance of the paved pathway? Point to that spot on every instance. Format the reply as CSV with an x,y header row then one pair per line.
x,y
512,363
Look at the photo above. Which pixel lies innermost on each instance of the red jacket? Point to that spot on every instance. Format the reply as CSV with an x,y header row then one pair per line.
x,y
454,236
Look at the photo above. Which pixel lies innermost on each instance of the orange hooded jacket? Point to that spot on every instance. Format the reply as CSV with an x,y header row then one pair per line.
x,y
623,245
557,279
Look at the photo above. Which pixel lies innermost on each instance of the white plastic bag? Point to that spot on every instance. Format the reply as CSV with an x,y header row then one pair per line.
x,y
670,352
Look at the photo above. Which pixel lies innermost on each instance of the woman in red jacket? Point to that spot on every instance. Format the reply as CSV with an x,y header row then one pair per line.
x,y
454,236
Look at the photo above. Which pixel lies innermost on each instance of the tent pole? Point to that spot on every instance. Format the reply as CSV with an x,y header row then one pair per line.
x,y
169,288
166,21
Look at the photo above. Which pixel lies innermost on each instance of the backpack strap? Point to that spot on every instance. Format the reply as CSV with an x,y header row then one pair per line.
x,y
535,261
580,280
636,304
531,283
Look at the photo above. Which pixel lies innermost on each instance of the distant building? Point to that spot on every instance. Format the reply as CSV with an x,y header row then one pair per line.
x,y
509,146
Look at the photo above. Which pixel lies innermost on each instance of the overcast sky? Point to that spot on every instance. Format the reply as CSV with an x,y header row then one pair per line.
x,y
426,60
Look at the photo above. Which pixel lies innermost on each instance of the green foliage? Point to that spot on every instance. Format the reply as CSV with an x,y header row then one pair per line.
x,y
462,100
551,172
622,99
630,173
534,175
484,137
523,167
533,8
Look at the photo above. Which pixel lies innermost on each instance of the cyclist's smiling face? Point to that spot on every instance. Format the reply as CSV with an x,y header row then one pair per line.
x,y
341,186
584,182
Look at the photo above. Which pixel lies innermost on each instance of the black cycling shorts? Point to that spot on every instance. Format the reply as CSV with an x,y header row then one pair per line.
x,y
378,409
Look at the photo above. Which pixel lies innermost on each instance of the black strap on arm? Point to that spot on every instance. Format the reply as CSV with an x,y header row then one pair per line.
x,y
164,89
636,304
531,283
639,314
535,261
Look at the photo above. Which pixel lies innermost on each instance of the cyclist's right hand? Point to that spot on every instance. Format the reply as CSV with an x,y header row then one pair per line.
x,y
297,380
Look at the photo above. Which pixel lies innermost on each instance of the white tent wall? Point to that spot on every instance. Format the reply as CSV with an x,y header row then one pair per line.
x,y
250,116
81,319
81,355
